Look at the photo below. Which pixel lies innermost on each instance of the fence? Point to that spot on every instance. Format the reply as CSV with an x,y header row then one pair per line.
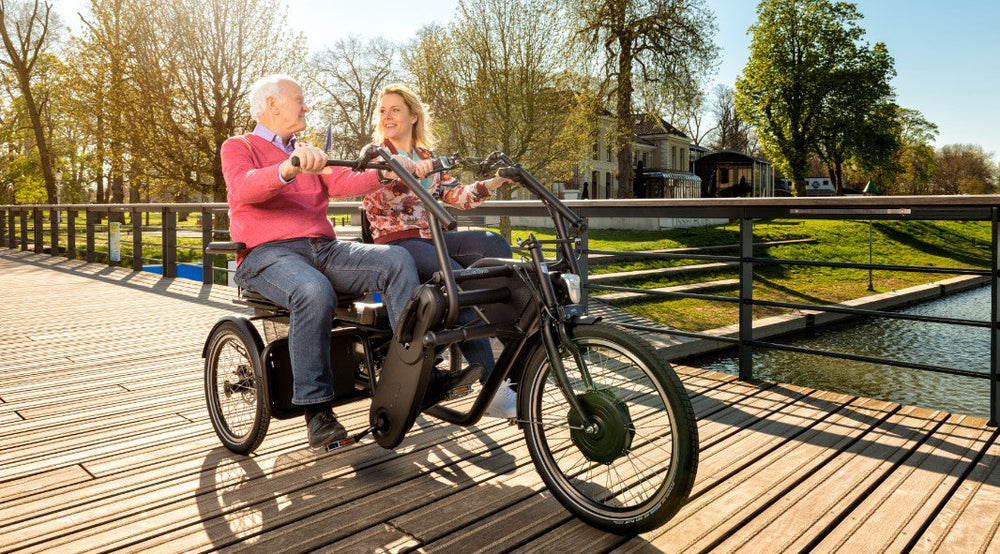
x,y
27,227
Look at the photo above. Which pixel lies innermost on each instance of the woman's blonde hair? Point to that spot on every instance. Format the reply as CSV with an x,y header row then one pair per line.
x,y
423,137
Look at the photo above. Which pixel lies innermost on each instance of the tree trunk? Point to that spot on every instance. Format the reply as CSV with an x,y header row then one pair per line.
x,y
623,114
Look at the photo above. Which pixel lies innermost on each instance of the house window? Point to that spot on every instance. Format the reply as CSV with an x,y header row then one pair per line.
x,y
597,151
609,151
608,183
723,175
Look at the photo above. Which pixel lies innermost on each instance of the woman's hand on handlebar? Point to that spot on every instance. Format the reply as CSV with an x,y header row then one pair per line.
x,y
496,182
311,160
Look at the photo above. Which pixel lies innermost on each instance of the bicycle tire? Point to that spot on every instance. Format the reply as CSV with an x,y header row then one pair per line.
x,y
634,468
236,402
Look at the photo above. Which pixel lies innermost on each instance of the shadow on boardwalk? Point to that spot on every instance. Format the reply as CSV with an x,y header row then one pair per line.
x,y
105,445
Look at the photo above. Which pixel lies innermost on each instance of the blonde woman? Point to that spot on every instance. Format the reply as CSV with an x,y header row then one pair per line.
x,y
397,217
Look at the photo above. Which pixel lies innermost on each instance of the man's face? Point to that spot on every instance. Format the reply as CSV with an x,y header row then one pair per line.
x,y
286,112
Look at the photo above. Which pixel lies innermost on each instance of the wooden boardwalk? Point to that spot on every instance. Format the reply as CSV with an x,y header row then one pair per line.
x,y
105,445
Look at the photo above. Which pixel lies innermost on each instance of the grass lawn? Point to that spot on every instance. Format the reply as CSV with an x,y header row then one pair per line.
x,y
945,244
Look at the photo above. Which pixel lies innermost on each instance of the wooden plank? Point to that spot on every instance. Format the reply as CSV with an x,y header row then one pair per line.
x,y
14,490
572,537
969,522
890,516
122,519
794,519
761,460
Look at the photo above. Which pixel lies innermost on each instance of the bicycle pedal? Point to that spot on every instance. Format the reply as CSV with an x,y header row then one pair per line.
x,y
337,445
458,392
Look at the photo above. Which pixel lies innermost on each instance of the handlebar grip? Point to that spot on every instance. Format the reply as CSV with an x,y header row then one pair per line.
x,y
512,173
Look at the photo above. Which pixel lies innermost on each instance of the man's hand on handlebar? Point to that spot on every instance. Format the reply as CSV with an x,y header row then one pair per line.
x,y
311,160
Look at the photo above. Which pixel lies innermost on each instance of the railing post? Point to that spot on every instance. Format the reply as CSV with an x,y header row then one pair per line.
x,y
11,228
135,218
24,229
71,234
91,216
169,243
994,315
584,264
746,298
207,260
54,229
38,229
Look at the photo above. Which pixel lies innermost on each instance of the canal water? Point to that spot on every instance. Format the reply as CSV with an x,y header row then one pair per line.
x,y
953,346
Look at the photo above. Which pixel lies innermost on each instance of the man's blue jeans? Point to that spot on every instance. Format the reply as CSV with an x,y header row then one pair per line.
x,y
464,247
304,276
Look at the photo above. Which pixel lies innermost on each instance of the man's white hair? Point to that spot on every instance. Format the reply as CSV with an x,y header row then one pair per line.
x,y
264,87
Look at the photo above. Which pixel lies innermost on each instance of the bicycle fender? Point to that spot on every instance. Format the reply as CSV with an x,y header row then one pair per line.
x,y
240,322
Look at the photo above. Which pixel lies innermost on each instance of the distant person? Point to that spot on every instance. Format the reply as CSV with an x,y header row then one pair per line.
x,y
292,256
586,191
742,188
396,216
639,181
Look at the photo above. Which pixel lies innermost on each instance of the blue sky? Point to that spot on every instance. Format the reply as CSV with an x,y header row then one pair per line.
x,y
945,51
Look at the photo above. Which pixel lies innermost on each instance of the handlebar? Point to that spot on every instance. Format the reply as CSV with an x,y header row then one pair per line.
x,y
390,164
440,164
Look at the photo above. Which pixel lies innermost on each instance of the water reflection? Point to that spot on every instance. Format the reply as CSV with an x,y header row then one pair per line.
x,y
953,346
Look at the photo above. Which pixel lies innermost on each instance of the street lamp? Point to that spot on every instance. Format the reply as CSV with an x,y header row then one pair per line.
x,y
870,190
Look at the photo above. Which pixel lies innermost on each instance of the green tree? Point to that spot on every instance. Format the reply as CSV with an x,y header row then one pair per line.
x,y
100,59
494,85
857,122
643,43
348,78
911,166
731,132
160,86
806,63
26,32
963,169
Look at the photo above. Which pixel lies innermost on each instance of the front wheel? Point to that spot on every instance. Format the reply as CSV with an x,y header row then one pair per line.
x,y
628,464
236,402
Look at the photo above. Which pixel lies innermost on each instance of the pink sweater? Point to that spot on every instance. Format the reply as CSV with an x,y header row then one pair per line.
x,y
263,209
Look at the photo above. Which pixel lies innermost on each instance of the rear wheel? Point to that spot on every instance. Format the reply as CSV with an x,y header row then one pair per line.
x,y
628,464
236,402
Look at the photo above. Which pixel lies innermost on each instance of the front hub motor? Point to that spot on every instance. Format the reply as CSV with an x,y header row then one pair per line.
x,y
606,433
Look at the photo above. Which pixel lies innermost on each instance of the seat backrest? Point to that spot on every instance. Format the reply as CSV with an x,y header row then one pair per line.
x,y
366,228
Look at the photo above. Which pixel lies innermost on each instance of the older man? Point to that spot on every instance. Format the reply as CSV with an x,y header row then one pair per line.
x,y
293,256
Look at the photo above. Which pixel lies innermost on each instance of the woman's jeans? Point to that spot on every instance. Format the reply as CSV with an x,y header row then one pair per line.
x,y
304,276
464,248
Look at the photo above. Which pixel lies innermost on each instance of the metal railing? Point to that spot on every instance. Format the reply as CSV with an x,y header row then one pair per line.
x,y
26,227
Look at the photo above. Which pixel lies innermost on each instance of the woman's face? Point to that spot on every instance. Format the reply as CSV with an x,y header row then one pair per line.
x,y
396,121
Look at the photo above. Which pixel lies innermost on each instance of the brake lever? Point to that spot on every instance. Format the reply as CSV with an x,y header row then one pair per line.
x,y
368,153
